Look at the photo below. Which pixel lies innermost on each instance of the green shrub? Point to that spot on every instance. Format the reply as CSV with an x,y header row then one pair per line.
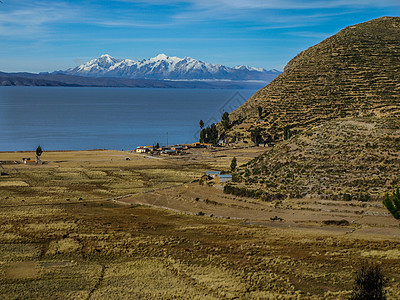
x,y
369,284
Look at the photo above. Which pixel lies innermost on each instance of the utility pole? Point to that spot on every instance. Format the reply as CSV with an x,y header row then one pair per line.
x,y
167,139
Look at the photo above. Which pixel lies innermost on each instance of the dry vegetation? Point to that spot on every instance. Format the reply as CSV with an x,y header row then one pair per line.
x,y
95,225
354,73
55,246
344,159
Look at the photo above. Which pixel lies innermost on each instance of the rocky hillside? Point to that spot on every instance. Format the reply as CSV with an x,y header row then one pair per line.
x,y
353,73
336,107
344,159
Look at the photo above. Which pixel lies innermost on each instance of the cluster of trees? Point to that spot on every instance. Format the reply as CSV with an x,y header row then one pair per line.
x,y
256,136
209,134
245,192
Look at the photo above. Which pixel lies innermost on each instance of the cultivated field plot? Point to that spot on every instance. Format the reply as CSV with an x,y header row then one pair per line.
x,y
86,175
96,248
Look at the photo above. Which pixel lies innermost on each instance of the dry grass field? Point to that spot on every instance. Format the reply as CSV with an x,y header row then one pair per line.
x,y
93,225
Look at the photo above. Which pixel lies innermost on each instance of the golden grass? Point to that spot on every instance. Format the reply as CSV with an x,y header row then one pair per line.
x,y
221,282
63,246
14,183
30,211
76,249
382,254
18,252
52,282
147,278
52,227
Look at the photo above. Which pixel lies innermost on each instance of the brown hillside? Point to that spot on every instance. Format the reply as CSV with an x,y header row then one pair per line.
x,y
353,73
345,159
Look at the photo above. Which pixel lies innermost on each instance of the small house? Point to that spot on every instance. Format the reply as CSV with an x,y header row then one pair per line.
x,y
177,148
213,174
201,145
221,178
196,145
141,149
28,161
168,151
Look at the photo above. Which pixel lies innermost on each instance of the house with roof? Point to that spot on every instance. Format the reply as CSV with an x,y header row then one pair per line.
x,y
28,161
177,148
212,174
221,178
141,149
217,176
201,145
169,152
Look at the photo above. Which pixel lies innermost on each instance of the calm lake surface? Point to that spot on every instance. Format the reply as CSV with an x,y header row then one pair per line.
x,y
59,118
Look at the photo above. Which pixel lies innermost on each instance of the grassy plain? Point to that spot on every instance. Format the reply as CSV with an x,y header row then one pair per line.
x,y
93,225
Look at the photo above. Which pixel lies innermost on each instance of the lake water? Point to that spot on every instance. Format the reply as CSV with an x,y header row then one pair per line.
x,y
59,118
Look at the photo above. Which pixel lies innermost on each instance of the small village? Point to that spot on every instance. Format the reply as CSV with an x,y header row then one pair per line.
x,y
210,176
172,150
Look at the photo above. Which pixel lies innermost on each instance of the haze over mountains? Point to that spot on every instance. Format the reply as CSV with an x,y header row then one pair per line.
x,y
164,67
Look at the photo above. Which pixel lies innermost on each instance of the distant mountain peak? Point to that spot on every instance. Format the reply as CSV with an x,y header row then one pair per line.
x,y
167,67
161,57
108,56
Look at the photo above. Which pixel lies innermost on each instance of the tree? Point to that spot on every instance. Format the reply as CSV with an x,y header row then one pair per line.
x,y
256,136
225,120
286,133
201,124
260,111
203,136
369,284
39,152
209,134
225,116
233,164
157,145
393,203
213,139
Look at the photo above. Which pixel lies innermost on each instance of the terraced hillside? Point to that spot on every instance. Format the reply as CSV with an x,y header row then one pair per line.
x,y
344,159
353,73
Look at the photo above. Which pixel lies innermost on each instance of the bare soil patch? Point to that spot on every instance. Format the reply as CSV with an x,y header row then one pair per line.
x,y
21,270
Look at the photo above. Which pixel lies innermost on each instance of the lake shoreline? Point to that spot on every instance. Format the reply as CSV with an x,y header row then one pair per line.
x,y
60,118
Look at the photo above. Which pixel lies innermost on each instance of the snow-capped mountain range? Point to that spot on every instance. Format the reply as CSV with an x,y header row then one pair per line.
x,y
163,67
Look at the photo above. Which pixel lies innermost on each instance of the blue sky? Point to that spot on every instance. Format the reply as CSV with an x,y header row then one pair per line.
x,y
40,36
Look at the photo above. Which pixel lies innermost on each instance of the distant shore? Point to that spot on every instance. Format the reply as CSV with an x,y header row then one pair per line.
x,y
61,80
29,151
